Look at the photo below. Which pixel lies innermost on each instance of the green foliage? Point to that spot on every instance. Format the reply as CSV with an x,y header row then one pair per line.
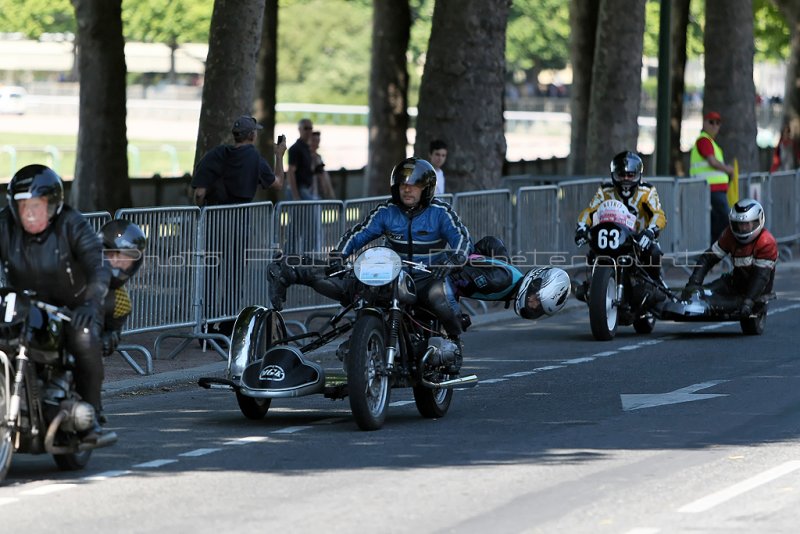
x,y
35,17
537,35
324,51
172,22
771,32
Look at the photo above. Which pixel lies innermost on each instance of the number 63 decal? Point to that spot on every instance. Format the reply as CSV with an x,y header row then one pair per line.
x,y
608,238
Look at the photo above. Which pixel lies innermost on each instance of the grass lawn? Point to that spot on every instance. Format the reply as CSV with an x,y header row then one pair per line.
x,y
145,158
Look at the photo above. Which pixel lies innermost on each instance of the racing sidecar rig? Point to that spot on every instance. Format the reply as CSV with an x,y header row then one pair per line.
x,y
706,306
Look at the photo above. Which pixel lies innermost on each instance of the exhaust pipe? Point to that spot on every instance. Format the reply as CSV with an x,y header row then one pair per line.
x,y
462,381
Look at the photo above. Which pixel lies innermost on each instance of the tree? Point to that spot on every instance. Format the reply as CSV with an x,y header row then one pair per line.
x,y
729,87
538,36
679,25
267,79
461,94
234,43
791,101
101,167
171,23
616,83
388,91
583,21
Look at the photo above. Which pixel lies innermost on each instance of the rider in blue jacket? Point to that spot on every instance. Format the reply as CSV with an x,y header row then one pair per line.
x,y
419,228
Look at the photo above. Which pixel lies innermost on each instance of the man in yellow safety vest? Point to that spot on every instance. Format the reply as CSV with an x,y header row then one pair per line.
x,y
706,161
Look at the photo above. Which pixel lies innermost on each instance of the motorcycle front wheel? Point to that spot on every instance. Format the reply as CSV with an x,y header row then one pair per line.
x,y
432,403
367,379
754,326
6,428
602,303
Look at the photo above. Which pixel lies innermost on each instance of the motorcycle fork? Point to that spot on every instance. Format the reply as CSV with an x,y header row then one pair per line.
x,y
395,315
16,388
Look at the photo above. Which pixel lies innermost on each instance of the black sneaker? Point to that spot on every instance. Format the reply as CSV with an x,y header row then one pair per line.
x,y
97,436
581,290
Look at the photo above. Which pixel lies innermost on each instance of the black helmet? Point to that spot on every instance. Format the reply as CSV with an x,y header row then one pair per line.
x,y
34,181
414,171
624,166
126,238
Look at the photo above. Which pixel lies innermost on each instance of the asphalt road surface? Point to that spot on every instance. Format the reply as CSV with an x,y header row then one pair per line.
x,y
693,428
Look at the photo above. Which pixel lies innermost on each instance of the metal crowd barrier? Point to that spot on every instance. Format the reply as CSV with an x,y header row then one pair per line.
x,y
190,277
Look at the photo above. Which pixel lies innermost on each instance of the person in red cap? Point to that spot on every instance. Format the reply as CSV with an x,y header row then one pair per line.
x,y
706,161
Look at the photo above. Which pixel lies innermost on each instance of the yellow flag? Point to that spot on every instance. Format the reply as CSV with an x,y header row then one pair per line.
x,y
733,184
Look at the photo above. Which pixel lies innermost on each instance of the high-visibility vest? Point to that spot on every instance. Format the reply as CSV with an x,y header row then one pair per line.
x,y
699,167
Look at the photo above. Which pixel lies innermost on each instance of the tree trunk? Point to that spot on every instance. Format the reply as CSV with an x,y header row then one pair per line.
x,y
680,23
101,164
729,87
461,94
267,79
616,83
791,99
230,78
388,92
583,23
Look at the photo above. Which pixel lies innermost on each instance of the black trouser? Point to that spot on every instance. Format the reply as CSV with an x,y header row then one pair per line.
x,y
719,213
86,346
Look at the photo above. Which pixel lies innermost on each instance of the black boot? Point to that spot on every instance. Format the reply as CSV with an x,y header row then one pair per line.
x,y
280,277
97,436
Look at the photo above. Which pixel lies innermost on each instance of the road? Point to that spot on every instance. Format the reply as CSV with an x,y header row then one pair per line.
x,y
693,428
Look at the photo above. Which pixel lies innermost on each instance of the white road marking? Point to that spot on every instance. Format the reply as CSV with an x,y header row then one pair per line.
x,y
687,394
644,530
106,475
47,489
291,429
520,374
245,441
401,403
710,501
199,452
604,354
7,500
493,380
575,361
154,463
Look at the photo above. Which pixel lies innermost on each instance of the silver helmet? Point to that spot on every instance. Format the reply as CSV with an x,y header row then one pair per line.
x,y
543,291
747,220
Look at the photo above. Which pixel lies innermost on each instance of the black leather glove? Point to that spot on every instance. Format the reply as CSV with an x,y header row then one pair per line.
x,y
84,315
335,265
646,238
452,263
689,289
581,235
110,342
746,309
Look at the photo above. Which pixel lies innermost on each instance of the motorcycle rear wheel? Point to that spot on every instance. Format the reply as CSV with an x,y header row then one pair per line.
x,y
754,326
432,403
72,462
367,379
6,430
602,307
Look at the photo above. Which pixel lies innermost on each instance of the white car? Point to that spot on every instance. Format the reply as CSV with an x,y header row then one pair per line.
x,y
12,99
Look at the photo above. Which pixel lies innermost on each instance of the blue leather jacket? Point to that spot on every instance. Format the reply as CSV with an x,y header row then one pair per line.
x,y
420,235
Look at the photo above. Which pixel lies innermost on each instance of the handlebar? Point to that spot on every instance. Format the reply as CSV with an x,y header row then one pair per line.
x,y
60,312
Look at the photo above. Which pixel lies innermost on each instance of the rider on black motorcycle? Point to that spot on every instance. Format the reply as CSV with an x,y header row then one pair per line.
x,y
641,199
753,251
123,253
49,248
417,226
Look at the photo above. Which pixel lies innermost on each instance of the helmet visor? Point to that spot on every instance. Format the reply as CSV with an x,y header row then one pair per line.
x,y
533,306
743,227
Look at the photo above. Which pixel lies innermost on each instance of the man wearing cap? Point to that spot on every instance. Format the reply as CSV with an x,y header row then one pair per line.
x,y
706,161
230,174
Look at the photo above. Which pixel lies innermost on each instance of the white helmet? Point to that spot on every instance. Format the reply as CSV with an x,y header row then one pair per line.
x,y
543,291
746,220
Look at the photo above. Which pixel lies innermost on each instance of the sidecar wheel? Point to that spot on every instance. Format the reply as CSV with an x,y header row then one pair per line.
x,y
6,431
754,326
645,324
432,403
253,408
367,378
72,462
602,303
